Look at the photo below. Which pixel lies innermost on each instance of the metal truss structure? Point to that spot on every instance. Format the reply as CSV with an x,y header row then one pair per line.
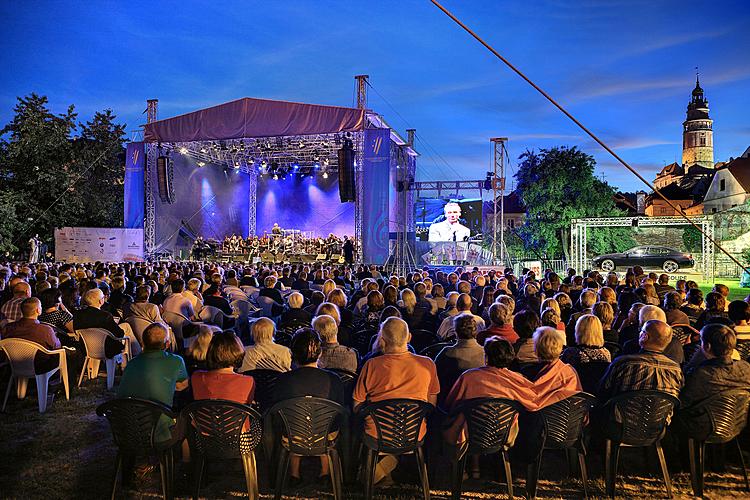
x,y
401,259
579,235
359,162
445,188
149,223
252,199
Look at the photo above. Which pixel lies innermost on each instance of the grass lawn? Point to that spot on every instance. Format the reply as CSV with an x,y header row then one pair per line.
x,y
735,292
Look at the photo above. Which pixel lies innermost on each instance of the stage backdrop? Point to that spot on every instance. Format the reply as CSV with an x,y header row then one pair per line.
x,y
91,244
210,201
309,203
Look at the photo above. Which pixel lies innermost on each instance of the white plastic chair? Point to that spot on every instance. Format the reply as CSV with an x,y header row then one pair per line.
x,y
138,325
94,339
235,293
266,304
21,355
212,316
176,321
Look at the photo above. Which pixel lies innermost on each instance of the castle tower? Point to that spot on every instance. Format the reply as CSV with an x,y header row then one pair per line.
x,y
697,134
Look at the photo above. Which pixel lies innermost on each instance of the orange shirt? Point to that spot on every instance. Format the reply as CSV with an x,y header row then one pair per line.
x,y
218,385
557,382
396,376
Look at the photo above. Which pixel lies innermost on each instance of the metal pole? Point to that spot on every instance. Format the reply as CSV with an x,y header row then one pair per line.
x,y
362,90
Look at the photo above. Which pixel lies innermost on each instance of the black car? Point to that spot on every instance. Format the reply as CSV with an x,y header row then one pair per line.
x,y
668,259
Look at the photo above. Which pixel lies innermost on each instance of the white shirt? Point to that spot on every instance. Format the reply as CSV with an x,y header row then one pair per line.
x,y
178,303
445,231
446,329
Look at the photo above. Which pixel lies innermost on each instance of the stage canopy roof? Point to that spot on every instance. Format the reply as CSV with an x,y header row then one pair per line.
x,y
249,117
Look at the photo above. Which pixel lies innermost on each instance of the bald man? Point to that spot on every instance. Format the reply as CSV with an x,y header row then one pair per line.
x,y
648,369
463,305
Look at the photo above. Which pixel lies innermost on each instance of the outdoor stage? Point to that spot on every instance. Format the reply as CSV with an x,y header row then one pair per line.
x,y
240,167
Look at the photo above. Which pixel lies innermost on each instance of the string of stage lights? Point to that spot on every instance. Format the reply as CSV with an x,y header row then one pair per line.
x,y
276,157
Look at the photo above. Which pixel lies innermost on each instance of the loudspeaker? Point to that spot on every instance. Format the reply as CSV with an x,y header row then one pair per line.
x,y
347,190
164,174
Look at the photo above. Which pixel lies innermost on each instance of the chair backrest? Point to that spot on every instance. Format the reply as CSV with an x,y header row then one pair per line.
x,y
683,333
689,350
212,315
727,411
433,350
489,421
613,348
222,429
307,422
398,423
266,304
133,423
94,339
743,348
421,339
138,325
176,322
564,420
360,340
643,414
265,382
21,355
590,374
242,308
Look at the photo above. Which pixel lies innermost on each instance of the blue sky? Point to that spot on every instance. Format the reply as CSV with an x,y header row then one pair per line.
x,y
625,68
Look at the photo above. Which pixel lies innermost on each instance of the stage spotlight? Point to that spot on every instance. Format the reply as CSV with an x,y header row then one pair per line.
x,y
203,150
263,163
201,164
295,166
302,144
276,177
236,165
325,175
251,162
317,165
326,161
183,150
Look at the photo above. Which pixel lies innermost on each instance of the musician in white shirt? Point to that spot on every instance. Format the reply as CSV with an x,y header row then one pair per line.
x,y
450,229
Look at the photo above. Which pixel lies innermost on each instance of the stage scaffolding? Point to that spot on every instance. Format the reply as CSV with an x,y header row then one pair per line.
x,y
579,236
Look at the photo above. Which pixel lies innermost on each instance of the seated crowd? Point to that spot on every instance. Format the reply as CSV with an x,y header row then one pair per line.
x,y
442,338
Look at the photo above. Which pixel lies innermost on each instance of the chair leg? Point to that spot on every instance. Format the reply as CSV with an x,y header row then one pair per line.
x,y
584,473
423,476
251,475
21,386
508,476
42,385
198,472
334,466
94,368
163,474
83,370
664,470
110,365
281,472
532,475
459,463
372,462
118,471
742,462
7,391
693,467
611,459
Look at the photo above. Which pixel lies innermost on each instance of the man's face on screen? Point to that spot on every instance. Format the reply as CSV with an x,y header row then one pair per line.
x,y
452,213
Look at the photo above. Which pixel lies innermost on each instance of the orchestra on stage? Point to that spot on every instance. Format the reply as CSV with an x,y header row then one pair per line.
x,y
276,243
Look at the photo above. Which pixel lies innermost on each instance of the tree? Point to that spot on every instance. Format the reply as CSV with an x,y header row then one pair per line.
x,y
558,185
693,239
50,177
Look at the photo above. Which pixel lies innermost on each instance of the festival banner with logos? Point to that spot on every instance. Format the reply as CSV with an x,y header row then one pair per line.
x,y
91,244
135,156
376,173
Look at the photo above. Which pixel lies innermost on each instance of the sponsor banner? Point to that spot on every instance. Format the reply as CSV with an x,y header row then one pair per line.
x,y
134,197
376,172
91,244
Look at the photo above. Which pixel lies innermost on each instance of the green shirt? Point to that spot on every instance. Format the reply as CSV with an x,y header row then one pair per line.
x,y
153,375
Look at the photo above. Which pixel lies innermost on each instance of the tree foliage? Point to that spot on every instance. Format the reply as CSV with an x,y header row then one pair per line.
x,y
52,177
556,186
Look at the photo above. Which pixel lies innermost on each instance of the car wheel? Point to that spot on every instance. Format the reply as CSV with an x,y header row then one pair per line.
x,y
670,266
607,265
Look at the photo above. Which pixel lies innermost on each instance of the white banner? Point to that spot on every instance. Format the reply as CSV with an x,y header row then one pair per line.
x,y
91,244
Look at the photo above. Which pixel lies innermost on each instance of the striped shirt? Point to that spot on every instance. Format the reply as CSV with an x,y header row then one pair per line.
x,y
646,370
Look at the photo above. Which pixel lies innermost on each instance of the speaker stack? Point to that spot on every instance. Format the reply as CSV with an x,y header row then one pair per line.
x,y
347,190
164,174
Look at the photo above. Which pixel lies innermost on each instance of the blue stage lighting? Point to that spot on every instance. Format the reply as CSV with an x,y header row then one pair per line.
x,y
295,166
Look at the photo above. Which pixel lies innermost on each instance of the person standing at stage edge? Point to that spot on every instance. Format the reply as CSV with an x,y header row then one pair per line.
x,y
348,248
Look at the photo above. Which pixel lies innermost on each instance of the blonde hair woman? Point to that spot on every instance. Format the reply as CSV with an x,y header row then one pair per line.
x,y
589,342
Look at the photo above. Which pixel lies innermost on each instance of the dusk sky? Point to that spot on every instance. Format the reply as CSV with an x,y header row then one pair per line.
x,y
625,68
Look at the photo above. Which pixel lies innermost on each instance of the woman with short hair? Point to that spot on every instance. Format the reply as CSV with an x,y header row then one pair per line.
x,y
589,342
224,355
